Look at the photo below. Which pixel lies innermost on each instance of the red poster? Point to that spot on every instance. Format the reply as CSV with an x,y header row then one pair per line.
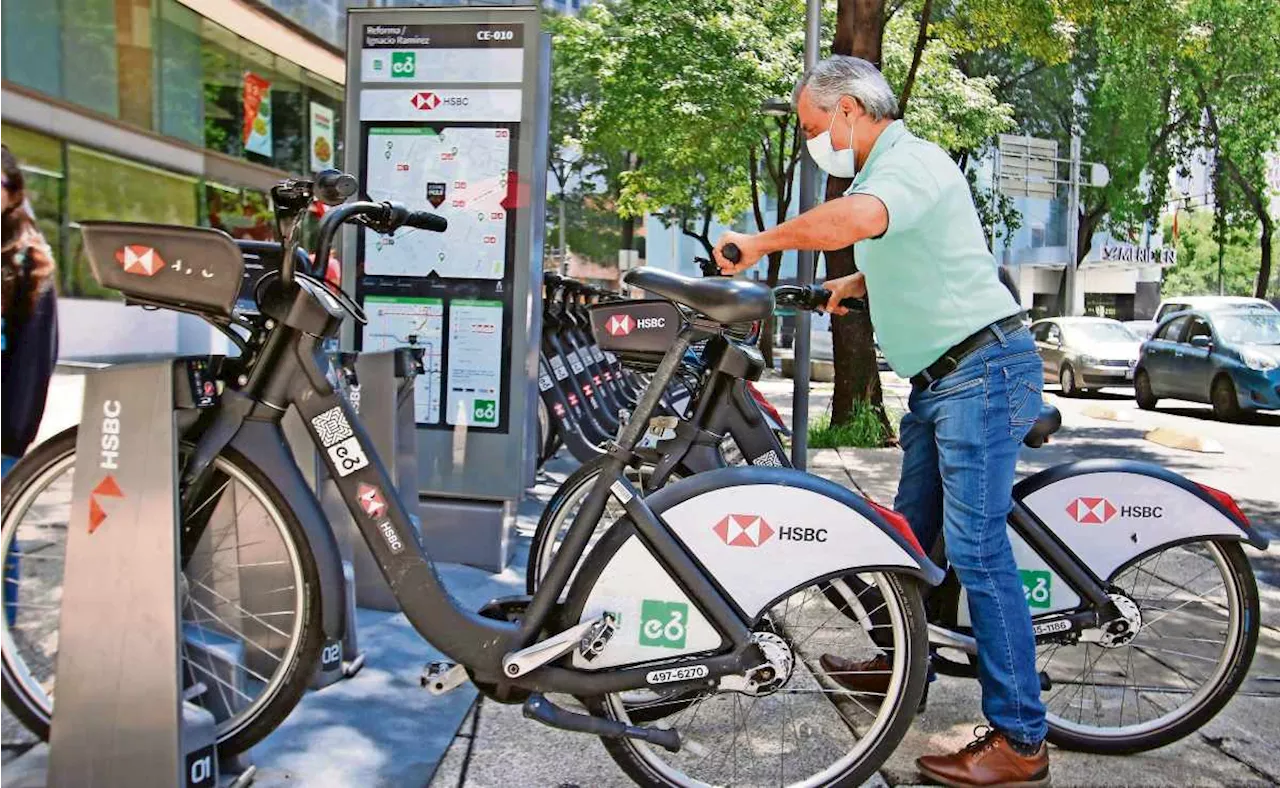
x,y
255,90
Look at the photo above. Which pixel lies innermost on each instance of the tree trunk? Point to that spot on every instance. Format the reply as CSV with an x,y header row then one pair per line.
x,y
922,39
1253,196
857,376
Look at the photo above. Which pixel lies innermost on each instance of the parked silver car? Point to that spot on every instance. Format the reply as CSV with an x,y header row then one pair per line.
x,y
1082,353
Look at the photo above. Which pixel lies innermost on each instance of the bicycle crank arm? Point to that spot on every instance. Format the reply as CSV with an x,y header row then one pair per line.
x,y
539,709
521,662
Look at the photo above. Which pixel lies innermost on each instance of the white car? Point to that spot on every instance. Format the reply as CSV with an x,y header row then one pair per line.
x,y
1209,303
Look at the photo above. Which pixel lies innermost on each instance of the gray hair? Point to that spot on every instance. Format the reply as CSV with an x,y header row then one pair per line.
x,y
841,75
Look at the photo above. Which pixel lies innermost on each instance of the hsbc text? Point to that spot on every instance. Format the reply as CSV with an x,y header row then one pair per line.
x,y
110,435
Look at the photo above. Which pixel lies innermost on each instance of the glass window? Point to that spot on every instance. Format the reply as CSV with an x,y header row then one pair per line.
x,y
101,186
241,213
1173,328
1199,328
41,160
290,127
179,73
135,61
1040,331
89,62
223,80
1055,334
32,37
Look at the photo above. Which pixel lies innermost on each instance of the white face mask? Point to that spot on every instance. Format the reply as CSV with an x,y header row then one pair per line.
x,y
839,163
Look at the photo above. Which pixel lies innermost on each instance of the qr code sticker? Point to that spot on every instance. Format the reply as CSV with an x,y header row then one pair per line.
x,y
348,457
332,426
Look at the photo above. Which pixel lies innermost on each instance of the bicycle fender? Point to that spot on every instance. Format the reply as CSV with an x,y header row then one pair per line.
x,y
761,534
1111,512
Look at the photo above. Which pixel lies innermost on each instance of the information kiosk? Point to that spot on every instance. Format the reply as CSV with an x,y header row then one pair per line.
x,y
447,110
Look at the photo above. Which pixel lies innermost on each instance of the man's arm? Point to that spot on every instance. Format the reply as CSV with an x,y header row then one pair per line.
x,y
832,225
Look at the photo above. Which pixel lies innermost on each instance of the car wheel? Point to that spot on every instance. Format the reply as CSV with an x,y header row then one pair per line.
x,y
1226,405
1067,381
1142,391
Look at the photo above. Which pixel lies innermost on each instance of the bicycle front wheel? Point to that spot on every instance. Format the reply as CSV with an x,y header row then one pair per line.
x,y
250,629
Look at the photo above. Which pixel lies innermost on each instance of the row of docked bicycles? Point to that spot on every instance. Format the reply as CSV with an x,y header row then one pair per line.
x,y
684,582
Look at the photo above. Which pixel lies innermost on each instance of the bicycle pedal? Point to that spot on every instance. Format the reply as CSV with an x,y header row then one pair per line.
x,y
441,677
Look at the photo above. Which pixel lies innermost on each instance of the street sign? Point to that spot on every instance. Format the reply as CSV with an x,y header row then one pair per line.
x,y
1027,166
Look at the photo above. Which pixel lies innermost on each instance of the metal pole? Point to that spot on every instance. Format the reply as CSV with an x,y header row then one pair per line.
x,y
804,267
1075,295
564,254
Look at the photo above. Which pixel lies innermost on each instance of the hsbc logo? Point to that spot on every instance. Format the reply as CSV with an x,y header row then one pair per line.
x,y
743,530
426,100
138,259
1091,511
621,325
1097,511
749,530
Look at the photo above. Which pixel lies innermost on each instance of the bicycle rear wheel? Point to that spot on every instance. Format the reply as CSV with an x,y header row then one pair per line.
x,y
809,730
250,628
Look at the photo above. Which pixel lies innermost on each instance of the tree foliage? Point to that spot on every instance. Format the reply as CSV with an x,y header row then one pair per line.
x,y
1196,272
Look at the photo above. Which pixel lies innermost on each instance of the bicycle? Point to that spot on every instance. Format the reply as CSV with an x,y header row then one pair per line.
x,y
671,603
1095,592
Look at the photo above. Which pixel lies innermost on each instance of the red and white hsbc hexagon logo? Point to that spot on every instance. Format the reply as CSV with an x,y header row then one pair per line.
x,y
743,530
620,325
425,100
139,259
1091,511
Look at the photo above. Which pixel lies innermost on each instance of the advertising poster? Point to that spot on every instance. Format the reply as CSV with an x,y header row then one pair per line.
x,y
257,114
322,141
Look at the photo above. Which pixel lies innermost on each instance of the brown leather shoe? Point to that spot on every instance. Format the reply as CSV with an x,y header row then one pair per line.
x,y
869,676
988,761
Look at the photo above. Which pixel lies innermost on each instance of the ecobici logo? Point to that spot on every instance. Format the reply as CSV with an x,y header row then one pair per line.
x,y
404,65
663,624
1037,586
484,411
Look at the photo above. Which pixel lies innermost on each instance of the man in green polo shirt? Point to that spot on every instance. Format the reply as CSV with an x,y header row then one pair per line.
x,y
944,320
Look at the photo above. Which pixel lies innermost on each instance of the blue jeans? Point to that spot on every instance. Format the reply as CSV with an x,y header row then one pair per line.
x,y
960,445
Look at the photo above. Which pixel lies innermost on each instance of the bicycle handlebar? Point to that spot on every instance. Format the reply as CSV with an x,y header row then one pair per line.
x,y
381,217
812,298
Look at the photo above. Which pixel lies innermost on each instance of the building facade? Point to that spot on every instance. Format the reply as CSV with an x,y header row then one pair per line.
x,y
172,111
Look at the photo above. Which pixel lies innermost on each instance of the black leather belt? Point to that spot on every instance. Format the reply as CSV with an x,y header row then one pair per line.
x,y
975,341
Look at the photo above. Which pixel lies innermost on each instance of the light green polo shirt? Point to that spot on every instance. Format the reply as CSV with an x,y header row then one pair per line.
x,y
931,280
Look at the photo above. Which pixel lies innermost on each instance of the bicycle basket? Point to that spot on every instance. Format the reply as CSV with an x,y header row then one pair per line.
x,y
638,332
194,269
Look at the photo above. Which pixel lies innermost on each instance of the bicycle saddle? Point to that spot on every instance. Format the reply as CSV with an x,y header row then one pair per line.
x,y
1047,423
722,300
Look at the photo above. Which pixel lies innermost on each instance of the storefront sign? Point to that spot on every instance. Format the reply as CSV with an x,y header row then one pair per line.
x,y
1138,255
257,114
429,105
321,137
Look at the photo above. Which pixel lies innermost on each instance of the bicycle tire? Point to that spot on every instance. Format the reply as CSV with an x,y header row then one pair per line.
x,y
297,674
644,763
1236,667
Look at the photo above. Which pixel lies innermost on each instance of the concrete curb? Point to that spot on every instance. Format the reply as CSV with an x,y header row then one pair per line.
x,y
1176,439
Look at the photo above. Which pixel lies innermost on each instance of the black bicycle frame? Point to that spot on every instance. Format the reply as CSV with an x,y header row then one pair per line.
x,y
286,372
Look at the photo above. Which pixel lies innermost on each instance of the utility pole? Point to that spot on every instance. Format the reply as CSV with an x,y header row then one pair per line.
x,y
1075,291
804,267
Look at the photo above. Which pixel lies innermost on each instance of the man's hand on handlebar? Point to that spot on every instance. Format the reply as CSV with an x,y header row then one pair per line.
x,y
851,286
748,252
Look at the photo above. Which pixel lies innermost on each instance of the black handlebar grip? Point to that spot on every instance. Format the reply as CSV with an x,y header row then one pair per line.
x,y
425,220
333,187
731,252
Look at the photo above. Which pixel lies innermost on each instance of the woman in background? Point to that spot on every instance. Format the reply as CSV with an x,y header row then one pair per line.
x,y
30,318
